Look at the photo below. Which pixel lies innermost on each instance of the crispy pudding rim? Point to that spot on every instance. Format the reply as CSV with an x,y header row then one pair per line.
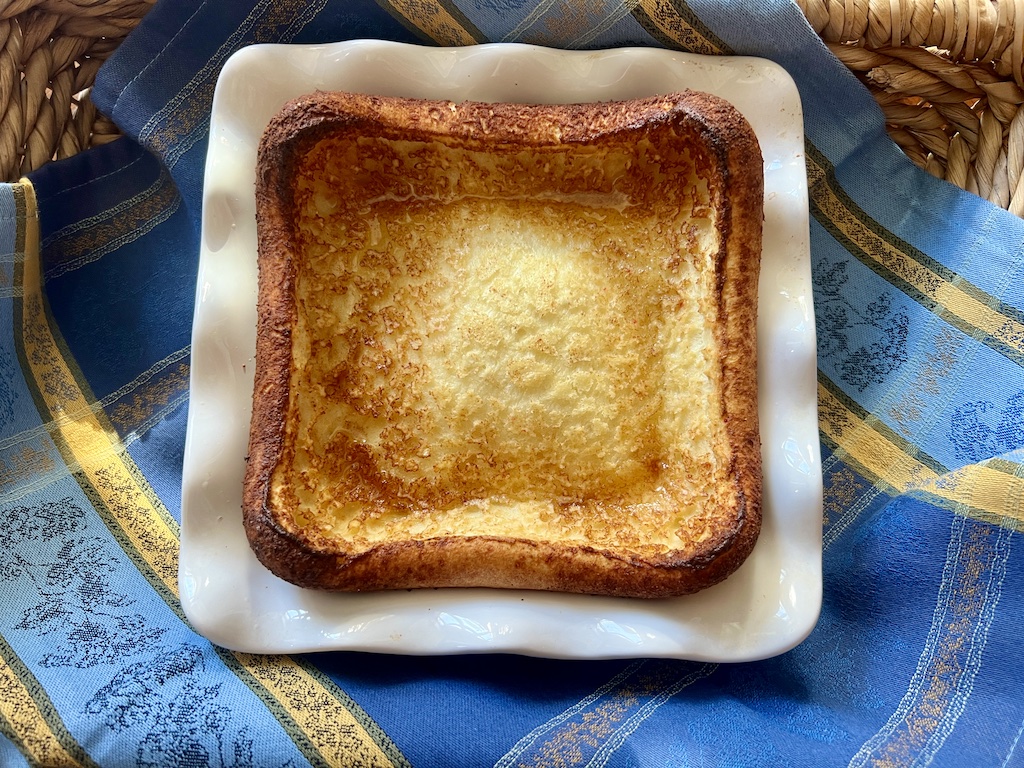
x,y
330,167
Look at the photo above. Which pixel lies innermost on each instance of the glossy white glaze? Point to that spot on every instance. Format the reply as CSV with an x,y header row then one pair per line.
x,y
765,608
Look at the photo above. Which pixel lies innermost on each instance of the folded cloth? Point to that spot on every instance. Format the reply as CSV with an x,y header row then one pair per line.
x,y
920,325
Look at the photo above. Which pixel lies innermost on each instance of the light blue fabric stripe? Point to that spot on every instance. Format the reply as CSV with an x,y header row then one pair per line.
x,y
523,27
909,366
16,411
610,26
625,31
840,116
8,212
845,123
141,675
10,756
74,603
600,25
921,208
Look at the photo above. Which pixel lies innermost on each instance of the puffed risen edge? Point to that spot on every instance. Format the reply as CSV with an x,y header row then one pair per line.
x,y
497,561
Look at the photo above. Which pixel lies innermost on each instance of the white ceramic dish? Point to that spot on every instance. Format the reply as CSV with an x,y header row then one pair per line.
x,y
765,608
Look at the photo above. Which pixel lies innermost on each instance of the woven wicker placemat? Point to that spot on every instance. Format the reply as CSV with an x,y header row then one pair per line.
x,y
50,51
947,73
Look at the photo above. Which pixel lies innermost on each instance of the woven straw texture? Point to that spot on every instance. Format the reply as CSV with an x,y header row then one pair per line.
x,y
947,73
50,51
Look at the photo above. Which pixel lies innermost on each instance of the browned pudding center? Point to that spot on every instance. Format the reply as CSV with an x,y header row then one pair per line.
x,y
493,328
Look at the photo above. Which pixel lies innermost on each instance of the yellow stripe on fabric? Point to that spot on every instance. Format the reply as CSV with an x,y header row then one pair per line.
x,y
148,534
981,491
26,463
880,455
311,700
952,298
438,23
988,489
88,444
29,720
675,26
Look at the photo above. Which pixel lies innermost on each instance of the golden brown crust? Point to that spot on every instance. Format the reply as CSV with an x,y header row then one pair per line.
x,y
721,145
